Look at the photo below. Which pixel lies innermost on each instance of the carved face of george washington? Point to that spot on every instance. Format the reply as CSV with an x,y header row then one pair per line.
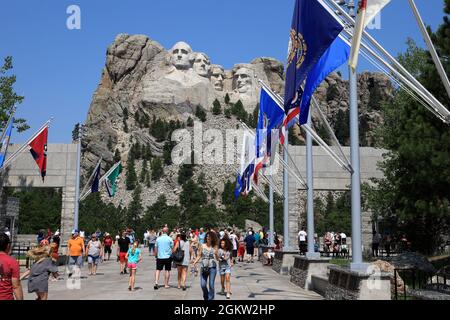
x,y
180,55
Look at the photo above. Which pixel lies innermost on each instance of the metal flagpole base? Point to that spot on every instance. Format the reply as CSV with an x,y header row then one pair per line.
x,y
312,255
360,267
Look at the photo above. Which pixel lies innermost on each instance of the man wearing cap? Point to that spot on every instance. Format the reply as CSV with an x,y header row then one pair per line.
x,y
76,251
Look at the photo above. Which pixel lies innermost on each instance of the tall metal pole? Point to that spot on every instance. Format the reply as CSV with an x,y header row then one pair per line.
x,y
271,224
310,194
77,186
355,181
286,196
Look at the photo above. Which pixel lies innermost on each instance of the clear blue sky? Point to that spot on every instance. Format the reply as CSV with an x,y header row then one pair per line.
x,y
58,69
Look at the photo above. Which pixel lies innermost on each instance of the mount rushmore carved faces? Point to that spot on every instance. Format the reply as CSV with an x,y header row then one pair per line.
x,y
243,80
180,55
217,77
202,64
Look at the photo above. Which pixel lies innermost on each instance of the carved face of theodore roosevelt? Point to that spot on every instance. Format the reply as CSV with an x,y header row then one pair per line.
x,y
243,79
202,65
217,77
180,55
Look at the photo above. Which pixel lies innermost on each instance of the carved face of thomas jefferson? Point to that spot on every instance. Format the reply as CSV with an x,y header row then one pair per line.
x,y
217,77
180,55
202,65
243,79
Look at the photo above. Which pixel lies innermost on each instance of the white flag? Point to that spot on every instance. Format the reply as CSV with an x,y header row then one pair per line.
x,y
367,10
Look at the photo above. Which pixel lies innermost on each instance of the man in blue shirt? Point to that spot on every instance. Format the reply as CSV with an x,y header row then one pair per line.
x,y
163,253
201,237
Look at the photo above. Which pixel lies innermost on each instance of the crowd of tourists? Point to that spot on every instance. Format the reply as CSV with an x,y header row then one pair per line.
x,y
202,253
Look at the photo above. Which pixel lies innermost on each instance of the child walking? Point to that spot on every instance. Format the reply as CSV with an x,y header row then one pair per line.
x,y
134,256
225,264
40,271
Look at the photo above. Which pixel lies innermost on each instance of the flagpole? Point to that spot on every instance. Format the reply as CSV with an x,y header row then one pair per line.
x,y
357,262
271,223
77,186
286,246
7,125
310,193
430,46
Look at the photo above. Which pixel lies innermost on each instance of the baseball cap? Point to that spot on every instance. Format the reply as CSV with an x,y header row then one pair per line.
x,y
74,231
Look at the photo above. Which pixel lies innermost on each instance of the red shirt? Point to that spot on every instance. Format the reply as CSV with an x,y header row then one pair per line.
x,y
108,242
9,269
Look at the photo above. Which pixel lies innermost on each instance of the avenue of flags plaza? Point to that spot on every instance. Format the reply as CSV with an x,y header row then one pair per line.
x,y
323,37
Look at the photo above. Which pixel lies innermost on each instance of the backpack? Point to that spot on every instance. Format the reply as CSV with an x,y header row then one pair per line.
x,y
178,255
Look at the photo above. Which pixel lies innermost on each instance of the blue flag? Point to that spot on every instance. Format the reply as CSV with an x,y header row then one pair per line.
x,y
270,117
312,32
239,186
337,54
5,142
96,181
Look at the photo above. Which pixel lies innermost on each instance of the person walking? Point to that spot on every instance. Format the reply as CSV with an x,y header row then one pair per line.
x,y
76,252
163,252
183,265
387,245
194,250
376,239
107,245
54,247
302,246
235,244
133,256
95,253
40,272
201,237
10,285
123,244
250,246
225,264
241,248
151,242
208,254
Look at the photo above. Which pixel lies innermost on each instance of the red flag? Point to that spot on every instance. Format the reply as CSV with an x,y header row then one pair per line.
x,y
38,149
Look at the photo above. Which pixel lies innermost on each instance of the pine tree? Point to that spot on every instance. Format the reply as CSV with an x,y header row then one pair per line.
x,y
341,127
131,179
125,118
117,156
144,171
135,211
157,169
185,173
200,113
239,111
167,152
190,122
413,196
227,99
217,108
109,145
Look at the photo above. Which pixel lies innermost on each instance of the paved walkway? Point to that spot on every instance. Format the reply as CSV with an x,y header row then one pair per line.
x,y
249,282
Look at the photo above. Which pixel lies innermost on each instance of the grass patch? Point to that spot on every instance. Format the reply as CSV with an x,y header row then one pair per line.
x,y
340,262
